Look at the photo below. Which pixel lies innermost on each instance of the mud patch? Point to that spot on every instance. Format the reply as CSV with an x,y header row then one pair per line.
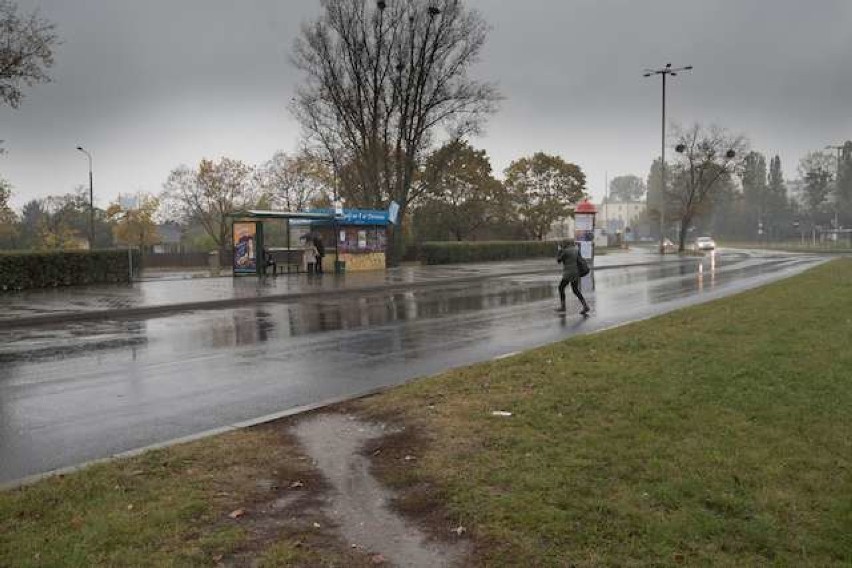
x,y
357,503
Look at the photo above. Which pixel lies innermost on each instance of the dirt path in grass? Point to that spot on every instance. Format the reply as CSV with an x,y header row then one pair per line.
x,y
357,503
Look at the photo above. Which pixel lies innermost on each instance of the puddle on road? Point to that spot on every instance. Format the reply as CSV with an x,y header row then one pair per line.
x,y
359,504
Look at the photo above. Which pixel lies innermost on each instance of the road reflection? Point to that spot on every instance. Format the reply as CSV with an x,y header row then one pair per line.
x,y
609,292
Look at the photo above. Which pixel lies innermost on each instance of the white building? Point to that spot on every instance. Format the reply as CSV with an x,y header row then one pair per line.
x,y
618,216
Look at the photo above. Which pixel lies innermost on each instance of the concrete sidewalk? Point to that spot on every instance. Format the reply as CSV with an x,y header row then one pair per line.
x,y
151,297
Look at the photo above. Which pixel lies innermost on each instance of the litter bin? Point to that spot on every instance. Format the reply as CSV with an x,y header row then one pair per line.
x,y
213,260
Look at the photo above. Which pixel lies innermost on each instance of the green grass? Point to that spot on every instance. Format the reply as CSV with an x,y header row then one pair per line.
x,y
164,508
717,435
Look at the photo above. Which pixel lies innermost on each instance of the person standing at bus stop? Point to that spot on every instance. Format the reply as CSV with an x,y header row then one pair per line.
x,y
320,251
568,256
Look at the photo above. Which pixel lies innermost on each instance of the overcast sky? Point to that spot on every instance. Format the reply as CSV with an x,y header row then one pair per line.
x,y
146,86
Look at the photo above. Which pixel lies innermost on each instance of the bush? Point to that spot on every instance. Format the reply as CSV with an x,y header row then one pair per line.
x,y
23,270
454,252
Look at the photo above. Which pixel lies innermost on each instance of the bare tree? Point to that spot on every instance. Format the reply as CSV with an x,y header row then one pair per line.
x,y
707,158
26,51
381,79
294,182
209,194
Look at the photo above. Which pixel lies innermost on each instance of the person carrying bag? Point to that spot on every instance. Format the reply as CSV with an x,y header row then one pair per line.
x,y
574,267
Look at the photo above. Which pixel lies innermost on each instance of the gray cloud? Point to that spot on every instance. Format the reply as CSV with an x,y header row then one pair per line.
x,y
149,85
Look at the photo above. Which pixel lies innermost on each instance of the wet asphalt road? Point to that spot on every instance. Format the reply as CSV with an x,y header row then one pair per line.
x,y
78,392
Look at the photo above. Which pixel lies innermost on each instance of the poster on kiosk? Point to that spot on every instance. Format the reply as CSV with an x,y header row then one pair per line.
x,y
584,229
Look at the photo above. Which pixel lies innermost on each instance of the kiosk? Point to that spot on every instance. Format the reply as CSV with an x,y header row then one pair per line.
x,y
584,229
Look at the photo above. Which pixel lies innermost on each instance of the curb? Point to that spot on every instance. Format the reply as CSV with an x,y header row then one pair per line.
x,y
144,312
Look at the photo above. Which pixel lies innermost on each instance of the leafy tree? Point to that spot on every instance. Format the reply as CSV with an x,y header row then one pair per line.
x,y
294,182
755,190
27,42
816,170
544,188
208,194
843,185
9,228
626,188
383,79
136,226
707,157
56,227
657,197
779,214
462,194
31,216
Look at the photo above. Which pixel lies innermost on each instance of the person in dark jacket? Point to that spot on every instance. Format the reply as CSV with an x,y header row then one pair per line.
x,y
320,252
567,256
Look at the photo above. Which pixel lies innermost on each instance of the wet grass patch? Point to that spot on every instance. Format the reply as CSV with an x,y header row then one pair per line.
x,y
242,498
715,435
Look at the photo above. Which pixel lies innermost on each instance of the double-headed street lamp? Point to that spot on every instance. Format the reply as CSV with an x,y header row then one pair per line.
x,y
664,72
91,202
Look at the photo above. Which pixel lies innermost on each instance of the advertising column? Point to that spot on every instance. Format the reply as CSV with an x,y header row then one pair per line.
x,y
584,229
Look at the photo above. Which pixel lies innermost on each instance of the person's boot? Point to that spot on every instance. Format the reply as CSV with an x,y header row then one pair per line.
x,y
561,308
585,309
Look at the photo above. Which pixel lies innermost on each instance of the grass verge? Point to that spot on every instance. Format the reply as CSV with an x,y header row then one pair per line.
x,y
716,435
243,498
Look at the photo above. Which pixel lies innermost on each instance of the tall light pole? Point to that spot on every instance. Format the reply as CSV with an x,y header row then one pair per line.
x,y
839,149
664,72
91,202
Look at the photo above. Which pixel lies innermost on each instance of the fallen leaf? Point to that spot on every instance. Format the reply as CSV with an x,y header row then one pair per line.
x,y
236,514
501,413
678,558
296,485
316,525
218,557
410,458
377,559
459,530
137,472
130,507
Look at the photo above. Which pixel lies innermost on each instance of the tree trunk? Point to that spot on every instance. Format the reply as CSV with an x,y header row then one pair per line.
x,y
396,248
684,227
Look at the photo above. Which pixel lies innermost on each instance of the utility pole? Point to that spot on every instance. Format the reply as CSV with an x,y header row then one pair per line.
x,y
663,72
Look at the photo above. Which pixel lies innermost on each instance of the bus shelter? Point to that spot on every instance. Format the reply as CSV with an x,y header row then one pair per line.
x,y
251,252
354,239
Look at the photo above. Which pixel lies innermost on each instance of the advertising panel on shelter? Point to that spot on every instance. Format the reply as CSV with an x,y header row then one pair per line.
x,y
245,248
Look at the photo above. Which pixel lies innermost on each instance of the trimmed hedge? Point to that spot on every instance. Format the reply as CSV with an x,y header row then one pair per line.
x,y
49,269
455,252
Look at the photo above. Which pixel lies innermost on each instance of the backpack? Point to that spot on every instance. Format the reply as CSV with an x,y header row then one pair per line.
x,y
582,265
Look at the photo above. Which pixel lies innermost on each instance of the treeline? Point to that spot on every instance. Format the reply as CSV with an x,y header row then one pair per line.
x,y
455,196
717,185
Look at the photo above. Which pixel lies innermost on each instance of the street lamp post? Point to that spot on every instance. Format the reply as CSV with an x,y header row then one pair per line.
x,y
663,72
91,202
